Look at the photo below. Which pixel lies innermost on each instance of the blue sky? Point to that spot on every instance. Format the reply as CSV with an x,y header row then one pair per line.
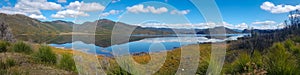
x,y
238,14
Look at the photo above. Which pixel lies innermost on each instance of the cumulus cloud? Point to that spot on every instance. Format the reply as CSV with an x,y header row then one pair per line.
x,y
281,25
69,13
111,12
192,26
86,7
78,9
143,9
31,8
10,10
183,12
269,6
242,26
41,17
62,1
115,1
294,15
267,25
264,23
37,4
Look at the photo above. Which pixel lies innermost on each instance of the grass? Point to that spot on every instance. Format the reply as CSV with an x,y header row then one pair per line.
x,y
4,46
280,61
5,65
67,63
22,47
281,58
45,55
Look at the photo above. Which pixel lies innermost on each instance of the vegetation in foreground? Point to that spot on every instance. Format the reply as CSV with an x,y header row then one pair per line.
x,y
281,58
22,58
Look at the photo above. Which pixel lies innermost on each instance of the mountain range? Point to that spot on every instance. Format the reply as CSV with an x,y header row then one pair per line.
x,y
21,24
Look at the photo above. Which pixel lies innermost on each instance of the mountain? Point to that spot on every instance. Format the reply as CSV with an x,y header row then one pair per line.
x,y
105,26
21,24
217,30
258,31
62,26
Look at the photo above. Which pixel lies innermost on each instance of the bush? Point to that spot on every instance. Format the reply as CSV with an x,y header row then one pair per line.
x,y
2,65
22,47
10,62
202,68
240,64
245,63
4,46
280,61
67,63
46,55
257,59
296,39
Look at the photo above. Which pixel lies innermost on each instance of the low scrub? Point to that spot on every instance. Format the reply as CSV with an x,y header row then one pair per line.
x,y
22,47
280,61
5,65
67,63
45,55
4,46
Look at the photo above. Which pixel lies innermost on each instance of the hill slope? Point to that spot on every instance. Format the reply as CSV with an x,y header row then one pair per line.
x,y
21,24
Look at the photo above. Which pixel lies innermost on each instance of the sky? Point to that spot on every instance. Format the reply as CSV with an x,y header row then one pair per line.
x,y
236,14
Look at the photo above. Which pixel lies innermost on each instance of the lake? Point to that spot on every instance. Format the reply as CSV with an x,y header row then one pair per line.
x,y
156,44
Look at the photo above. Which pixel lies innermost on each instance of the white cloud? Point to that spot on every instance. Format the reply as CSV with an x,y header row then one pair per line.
x,y
78,9
62,1
143,9
37,4
264,23
294,15
242,26
281,25
31,8
269,6
111,12
193,26
10,10
41,17
69,13
86,7
115,1
267,25
183,12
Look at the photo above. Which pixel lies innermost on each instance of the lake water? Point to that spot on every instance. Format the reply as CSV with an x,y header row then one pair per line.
x,y
145,45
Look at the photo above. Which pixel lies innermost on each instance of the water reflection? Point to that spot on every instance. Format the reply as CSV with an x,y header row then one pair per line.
x,y
143,45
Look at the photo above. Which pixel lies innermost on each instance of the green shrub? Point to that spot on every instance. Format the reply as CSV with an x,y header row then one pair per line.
x,y
202,68
240,64
22,47
2,65
10,62
67,63
45,55
4,46
296,39
281,62
257,58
